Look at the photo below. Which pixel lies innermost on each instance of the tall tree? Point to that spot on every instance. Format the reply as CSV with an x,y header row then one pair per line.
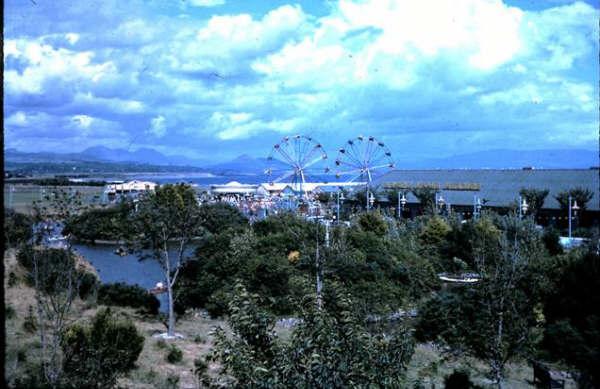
x,y
581,195
535,198
166,221
426,196
55,277
493,319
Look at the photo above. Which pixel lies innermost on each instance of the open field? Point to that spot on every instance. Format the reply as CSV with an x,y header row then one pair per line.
x,y
20,197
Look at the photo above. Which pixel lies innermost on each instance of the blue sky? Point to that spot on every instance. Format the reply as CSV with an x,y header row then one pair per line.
x,y
212,79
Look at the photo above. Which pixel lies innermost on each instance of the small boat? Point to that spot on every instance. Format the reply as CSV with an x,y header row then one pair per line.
x,y
159,288
121,251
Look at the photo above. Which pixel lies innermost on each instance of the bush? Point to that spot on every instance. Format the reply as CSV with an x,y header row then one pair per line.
x,y
123,295
174,355
459,379
30,323
172,381
9,311
18,228
96,355
88,283
12,279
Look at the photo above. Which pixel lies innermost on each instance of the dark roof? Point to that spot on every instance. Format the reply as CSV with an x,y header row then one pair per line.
x,y
500,187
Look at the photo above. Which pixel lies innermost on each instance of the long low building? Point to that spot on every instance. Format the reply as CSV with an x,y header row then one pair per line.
x,y
499,188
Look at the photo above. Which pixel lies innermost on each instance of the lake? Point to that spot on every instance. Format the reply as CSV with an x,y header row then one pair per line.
x,y
128,269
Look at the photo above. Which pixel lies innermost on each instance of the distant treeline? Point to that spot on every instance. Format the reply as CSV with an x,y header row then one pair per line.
x,y
54,181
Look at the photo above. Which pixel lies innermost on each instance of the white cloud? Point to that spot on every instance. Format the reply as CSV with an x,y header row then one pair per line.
x,y
72,37
83,121
207,3
18,119
44,63
158,126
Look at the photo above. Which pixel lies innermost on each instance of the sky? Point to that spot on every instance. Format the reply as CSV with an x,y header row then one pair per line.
x,y
213,79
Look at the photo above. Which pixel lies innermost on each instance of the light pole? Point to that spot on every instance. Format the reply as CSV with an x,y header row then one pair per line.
x,y
371,200
340,198
401,204
476,206
523,207
572,209
440,202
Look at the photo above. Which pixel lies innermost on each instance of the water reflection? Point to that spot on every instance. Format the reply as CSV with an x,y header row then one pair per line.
x,y
128,268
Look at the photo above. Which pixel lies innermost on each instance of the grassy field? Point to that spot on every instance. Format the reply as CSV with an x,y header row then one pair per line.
x,y
21,197
427,366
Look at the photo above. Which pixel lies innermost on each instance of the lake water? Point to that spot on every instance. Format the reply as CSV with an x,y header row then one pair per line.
x,y
128,269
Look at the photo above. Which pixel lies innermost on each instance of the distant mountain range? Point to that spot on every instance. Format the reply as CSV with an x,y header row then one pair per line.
x,y
245,164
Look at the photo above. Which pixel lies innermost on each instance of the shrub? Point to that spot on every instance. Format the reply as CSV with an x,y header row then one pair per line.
x,y
12,279
87,284
160,344
30,323
17,228
96,355
121,294
199,339
9,311
172,381
459,379
174,355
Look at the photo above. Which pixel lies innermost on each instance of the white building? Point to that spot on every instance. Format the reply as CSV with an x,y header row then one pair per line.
x,y
128,188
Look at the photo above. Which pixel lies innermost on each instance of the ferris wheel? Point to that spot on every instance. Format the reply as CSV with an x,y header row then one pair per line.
x,y
362,158
294,159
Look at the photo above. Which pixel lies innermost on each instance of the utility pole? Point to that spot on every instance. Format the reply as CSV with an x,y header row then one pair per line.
x,y
570,218
318,271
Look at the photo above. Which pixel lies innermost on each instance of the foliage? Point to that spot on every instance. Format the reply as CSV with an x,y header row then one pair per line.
x,y
426,198
581,195
30,324
219,217
88,284
17,228
110,223
330,348
124,295
551,241
459,379
169,214
174,354
372,221
572,331
494,319
96,355
534,198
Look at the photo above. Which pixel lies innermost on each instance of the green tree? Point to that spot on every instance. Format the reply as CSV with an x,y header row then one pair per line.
x,y
426,197
17,228
329,348
494,319
220,216
534,198
168,215
572,330
96,355
581,195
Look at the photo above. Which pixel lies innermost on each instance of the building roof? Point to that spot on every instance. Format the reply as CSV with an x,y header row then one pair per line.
x,y
499,187
131,186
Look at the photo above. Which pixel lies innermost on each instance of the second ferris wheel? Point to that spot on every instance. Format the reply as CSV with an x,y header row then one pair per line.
x,y
361,159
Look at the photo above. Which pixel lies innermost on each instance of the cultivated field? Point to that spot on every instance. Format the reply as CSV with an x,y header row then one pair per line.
x,y
20,197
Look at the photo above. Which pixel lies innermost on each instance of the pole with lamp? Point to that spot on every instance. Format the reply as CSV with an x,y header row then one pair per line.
x,y
401,204
573,208
370,200
440,202
523,207
476,206
340,198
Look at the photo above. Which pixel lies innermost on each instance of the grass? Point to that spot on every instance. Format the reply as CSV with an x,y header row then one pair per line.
x,y
24,195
